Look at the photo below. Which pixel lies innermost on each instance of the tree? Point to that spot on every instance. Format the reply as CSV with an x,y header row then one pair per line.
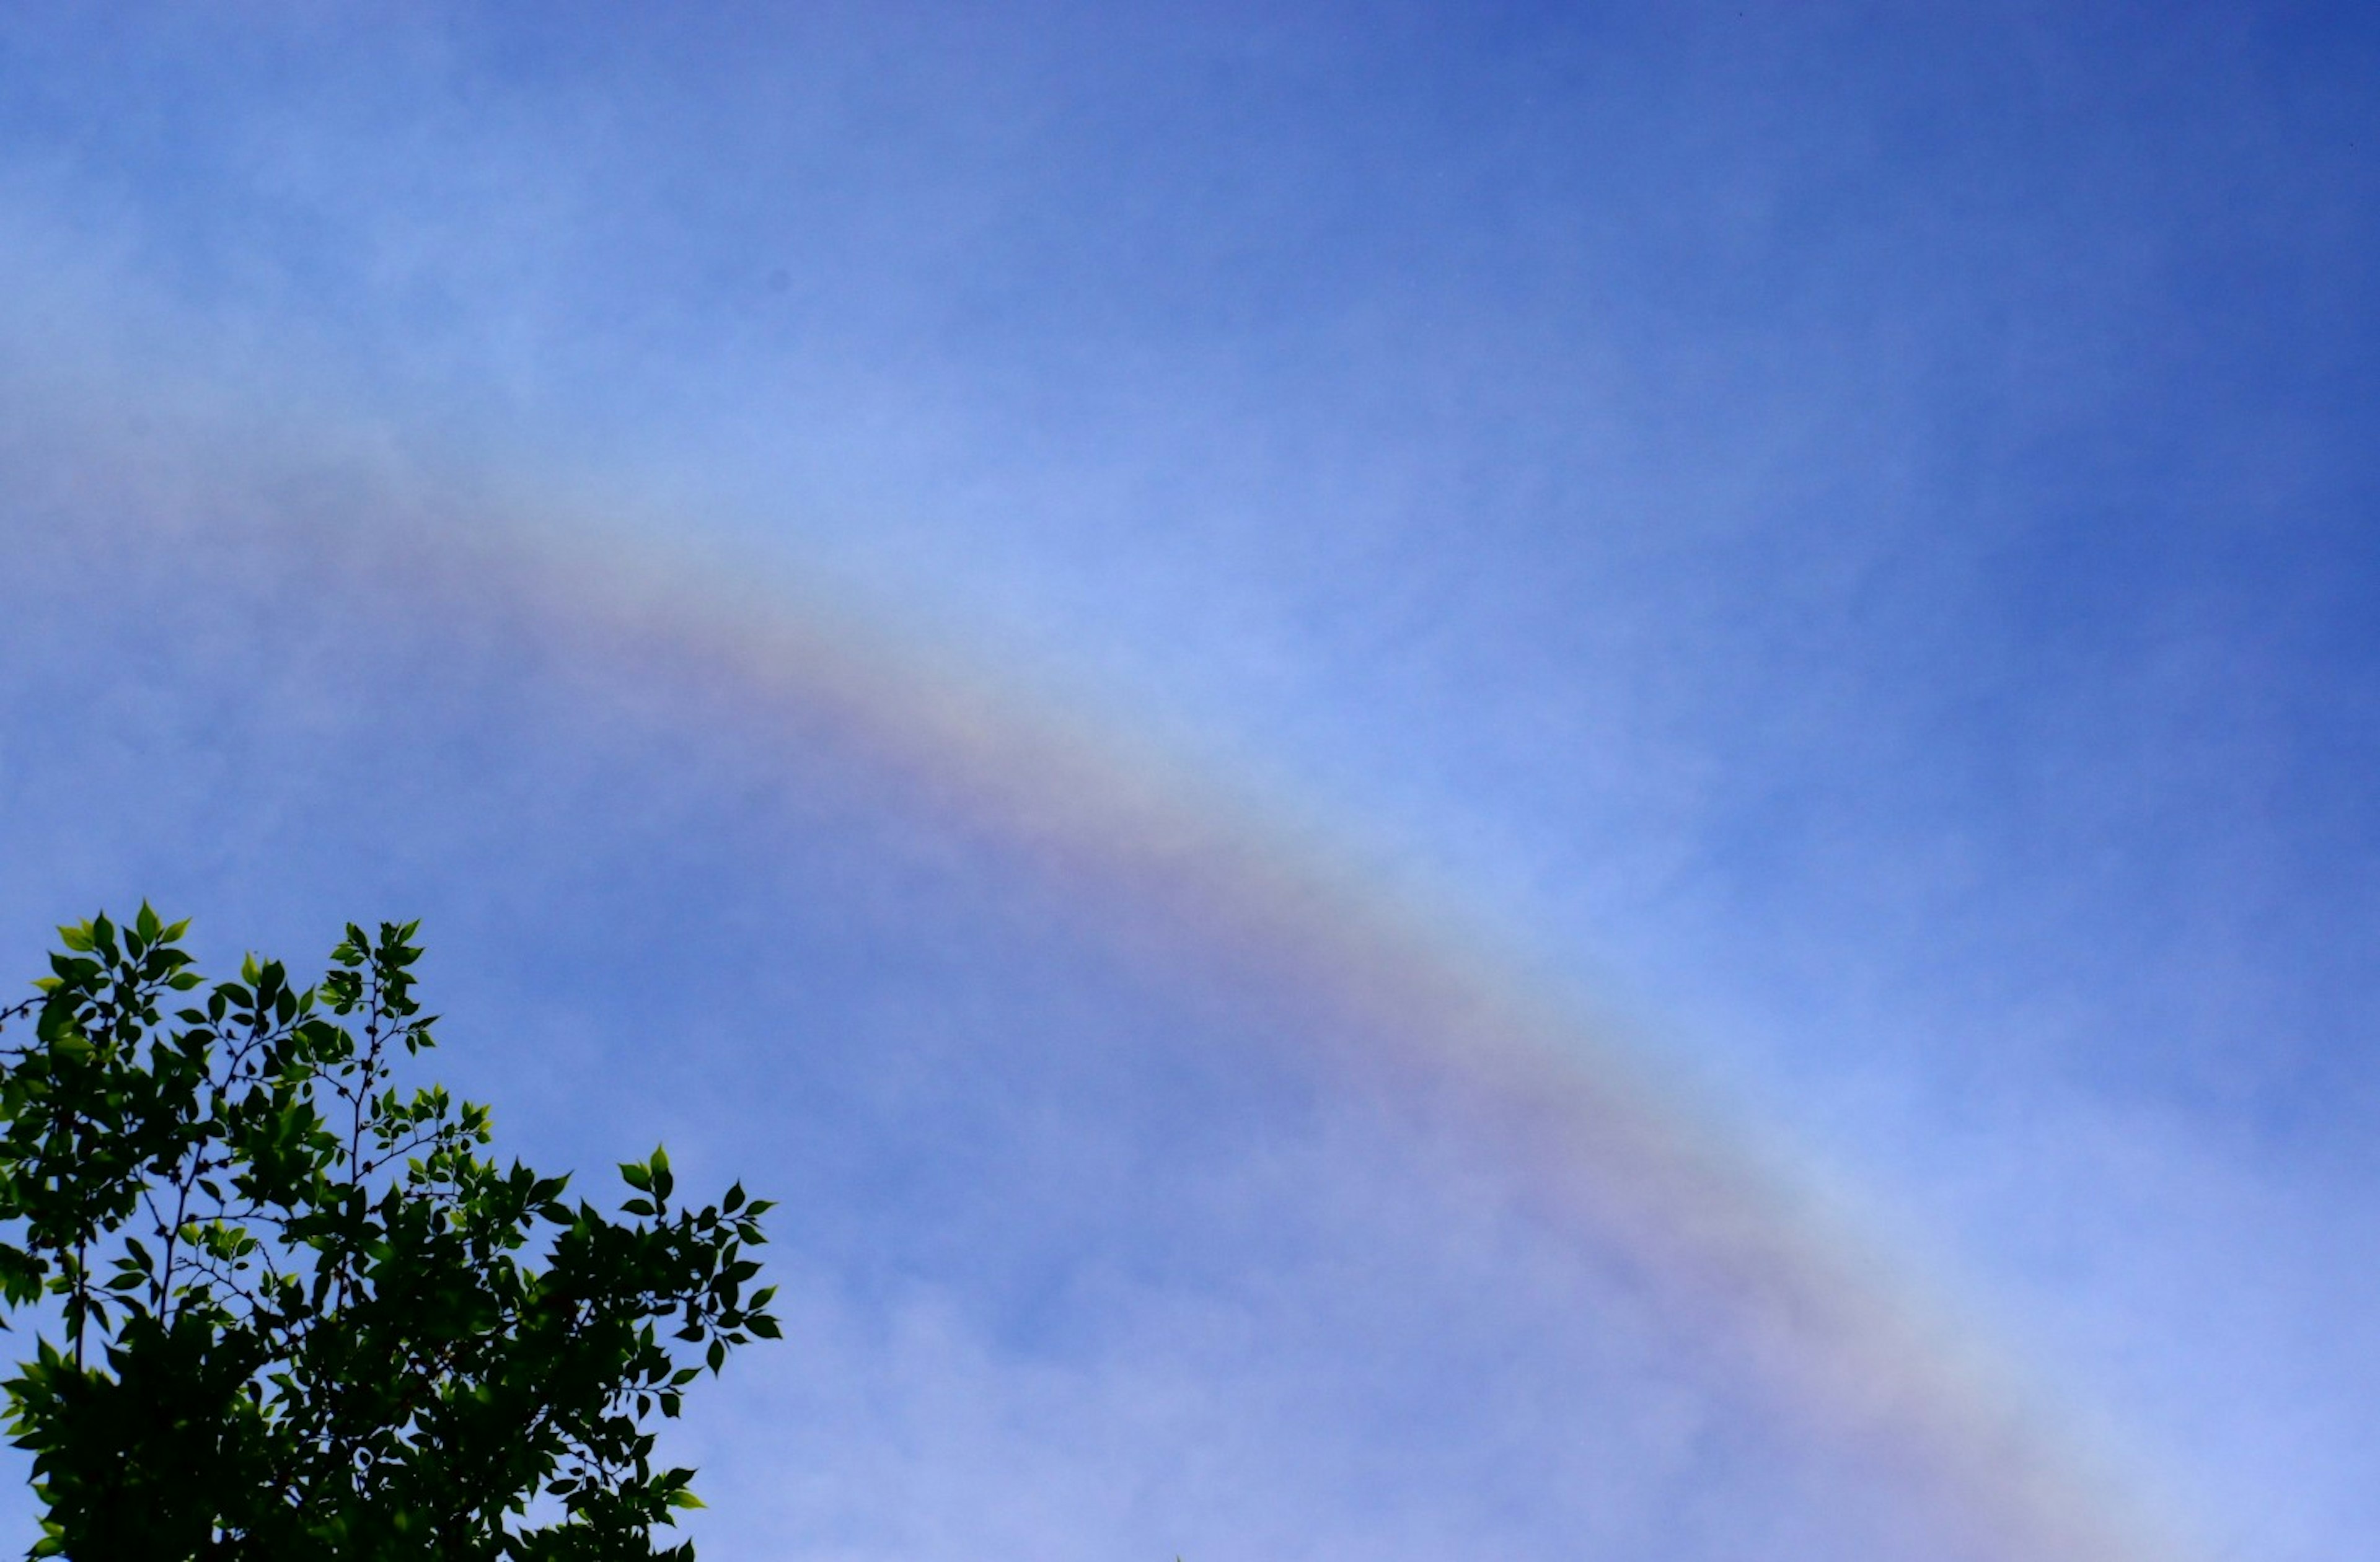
x,y
290,1311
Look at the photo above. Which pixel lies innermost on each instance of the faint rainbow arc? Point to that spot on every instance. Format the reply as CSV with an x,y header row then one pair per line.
x,y
1786,1297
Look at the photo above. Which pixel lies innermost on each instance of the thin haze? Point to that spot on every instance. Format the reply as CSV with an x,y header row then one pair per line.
x,y
1831,532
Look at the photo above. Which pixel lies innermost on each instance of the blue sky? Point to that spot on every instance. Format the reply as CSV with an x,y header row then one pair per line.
x,y
1833,542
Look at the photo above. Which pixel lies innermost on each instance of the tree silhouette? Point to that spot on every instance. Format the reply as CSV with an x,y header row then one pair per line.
x,y
288,1310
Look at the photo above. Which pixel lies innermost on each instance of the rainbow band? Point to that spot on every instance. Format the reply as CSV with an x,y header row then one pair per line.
x,y
1178,876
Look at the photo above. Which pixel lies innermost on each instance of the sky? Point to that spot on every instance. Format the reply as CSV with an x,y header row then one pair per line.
x,y
1492,780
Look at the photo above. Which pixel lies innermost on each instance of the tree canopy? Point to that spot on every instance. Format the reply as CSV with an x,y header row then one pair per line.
x,y
286,1307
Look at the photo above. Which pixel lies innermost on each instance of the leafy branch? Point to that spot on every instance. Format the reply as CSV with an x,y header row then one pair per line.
x,y
299,1312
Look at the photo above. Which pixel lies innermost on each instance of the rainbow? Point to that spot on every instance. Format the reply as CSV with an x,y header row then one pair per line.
x,y
1182,874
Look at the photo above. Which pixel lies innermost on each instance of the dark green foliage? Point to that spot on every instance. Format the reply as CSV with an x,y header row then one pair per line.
x,y
289,1311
